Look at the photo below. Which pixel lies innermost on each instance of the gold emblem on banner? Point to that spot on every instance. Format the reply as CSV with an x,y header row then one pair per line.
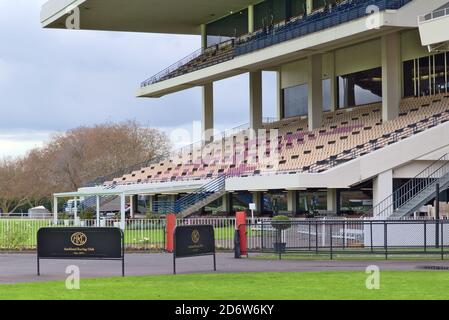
x,y
78,239
195,236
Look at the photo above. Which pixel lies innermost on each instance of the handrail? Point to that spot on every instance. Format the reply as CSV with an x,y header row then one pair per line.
x,y
194,197
433,15
411,189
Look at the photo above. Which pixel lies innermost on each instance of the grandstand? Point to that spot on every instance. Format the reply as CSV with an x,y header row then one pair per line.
x,y
362,125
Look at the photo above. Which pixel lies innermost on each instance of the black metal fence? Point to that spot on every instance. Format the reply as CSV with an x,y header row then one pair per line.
x,y
345,237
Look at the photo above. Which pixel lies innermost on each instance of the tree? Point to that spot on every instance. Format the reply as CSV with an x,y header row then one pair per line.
x,y
71,159
12,191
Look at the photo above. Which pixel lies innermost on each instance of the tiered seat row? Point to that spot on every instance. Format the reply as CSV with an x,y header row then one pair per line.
x,y
345,135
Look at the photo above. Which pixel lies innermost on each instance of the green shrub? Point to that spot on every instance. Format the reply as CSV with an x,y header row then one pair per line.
x,y
281,222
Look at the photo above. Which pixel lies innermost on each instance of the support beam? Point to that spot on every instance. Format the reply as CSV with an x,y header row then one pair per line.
x,y
255,100
391,76
207,122
309,6
332,200
382,187
55,210
98,210
292,201
279,96
75,216
251,18
315,94
257,200
131,206
333,79
226,203
203,36
122,211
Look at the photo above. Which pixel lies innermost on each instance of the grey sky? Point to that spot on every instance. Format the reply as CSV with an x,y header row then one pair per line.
x,y
54,80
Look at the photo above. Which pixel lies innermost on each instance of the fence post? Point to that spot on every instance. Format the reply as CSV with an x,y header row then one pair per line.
x,y
316,236
170,231
241,225
344,235
261,235
437,215
310,231
371,235
442,240
331,242
425,236
386,239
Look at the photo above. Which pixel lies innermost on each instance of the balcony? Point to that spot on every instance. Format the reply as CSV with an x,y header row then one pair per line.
x,y
433,29
296,28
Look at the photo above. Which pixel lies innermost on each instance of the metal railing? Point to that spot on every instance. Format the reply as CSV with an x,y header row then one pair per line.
x,y
426,179
140,234
434,15
349,237
213,52
192,198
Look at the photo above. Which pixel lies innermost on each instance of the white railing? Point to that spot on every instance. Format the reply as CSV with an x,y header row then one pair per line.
x,y
434,15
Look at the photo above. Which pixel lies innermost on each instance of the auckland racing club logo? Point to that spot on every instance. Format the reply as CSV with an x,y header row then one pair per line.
x,y
78,239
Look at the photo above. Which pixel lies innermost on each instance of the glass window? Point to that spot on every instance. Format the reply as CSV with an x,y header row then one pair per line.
x,y
298,7
215,206
295,101
409,78
360,88
327,94
318,4
439,75
275,202
311,201
241,201
228,27
424,79
356,202
270,12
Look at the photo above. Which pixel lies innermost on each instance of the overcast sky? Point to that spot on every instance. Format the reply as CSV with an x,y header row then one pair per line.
x,y
54,80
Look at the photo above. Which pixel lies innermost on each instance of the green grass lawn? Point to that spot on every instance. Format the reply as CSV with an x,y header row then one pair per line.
x,y
277,286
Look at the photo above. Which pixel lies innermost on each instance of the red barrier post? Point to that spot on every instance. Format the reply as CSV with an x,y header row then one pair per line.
x,y
240,224
170,231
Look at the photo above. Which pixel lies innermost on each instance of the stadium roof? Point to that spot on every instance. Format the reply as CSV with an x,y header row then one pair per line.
x,y
155,16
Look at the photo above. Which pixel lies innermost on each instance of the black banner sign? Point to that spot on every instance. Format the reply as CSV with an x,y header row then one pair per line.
x,y
192,241
80,243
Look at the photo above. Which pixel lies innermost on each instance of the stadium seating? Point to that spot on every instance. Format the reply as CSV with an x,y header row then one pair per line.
x,y
346,134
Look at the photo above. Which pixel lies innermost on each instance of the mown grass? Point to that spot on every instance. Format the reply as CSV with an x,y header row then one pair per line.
x,y
239,286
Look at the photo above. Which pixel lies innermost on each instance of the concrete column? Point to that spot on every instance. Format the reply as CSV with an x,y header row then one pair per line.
x,y
226,207
257,199
250,18
55,210
391,76
280,98
332,200
382,187
309,6
131,206
315,95
255,100
98,210
207,122
203,36
150,203
333,78
292,201
122,211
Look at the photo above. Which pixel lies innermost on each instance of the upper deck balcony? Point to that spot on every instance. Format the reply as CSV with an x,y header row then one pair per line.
x,y
287,41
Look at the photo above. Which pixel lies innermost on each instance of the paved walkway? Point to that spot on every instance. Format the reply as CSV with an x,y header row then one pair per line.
x,y
16,268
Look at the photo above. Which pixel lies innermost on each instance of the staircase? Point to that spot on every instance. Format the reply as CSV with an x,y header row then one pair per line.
x,y
415,193
196,200
107,203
